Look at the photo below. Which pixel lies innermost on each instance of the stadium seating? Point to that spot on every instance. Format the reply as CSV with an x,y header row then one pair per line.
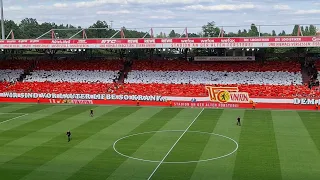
x,y
167,78
4,86
10,75
214,77
108,65
97,76
287,91
289,66
15,64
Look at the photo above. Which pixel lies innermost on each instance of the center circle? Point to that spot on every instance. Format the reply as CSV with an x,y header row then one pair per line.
x,y
178,162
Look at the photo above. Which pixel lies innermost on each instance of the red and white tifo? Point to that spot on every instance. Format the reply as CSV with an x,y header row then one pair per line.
x,y
175,80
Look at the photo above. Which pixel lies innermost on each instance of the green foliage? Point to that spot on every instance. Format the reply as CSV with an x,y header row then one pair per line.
x,y
210,30
30,28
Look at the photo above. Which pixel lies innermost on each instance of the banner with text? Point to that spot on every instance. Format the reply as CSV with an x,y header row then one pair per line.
x,y
305,101
231,42
83,96
224,58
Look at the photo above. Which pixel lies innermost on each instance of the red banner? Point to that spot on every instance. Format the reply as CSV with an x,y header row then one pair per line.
x,y
295,41
164,104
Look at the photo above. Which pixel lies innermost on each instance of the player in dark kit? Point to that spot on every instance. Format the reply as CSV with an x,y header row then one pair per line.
x,y
69,135
91,112
238,121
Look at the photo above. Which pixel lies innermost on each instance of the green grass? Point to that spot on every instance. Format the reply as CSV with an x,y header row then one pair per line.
x,y
277,145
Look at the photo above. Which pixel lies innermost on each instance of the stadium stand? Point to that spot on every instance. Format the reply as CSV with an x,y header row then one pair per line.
x,y
167,78
10,75
108,65
82,76
214,77
4,86
15,64
289,66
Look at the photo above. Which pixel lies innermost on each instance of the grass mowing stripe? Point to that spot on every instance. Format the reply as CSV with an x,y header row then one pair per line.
x,y
31,109
32,140
189,148
217,146
155,148
20,113
176,142
31,117
26,163
103,165
296,163
64,165
13,118
311,122
257,156
33,126
2,105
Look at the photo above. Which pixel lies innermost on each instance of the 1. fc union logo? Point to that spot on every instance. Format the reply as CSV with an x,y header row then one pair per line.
x,y
227,94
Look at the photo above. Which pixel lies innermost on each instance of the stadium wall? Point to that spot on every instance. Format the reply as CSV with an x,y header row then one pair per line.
x,y
200,104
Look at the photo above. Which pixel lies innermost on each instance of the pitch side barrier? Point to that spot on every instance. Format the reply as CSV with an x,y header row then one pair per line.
x,y
183,104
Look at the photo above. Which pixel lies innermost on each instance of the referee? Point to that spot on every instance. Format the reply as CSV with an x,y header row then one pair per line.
x,y
238,121
69,135
91,112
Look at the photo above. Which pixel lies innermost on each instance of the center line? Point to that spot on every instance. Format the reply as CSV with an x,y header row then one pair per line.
x,y
174,145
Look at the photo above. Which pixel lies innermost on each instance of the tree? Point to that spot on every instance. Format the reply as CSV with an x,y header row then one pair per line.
x,y
193,35
295,30
274,33
302,30
172,34
239,32
312,30
99,33
210,30
283,33
30,28
160,35
306,31
244,33
253,30
11,25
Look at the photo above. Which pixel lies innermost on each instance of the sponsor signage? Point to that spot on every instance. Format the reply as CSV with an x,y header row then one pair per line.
x,y
205,104
84,96
249,42
305,101
227,95
224,58
73,101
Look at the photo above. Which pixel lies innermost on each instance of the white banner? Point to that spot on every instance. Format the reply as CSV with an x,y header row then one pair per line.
x,y
161,45
305,101
224,58
83,96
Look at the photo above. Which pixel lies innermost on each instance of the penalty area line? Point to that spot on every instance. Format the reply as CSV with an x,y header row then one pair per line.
x,y
175,144
13,118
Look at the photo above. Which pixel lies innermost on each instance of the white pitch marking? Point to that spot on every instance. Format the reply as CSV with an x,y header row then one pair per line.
x,y
13,118
10,113
177,162
175,144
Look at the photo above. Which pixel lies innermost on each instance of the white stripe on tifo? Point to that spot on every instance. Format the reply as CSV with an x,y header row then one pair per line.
x,y
13,118
175,144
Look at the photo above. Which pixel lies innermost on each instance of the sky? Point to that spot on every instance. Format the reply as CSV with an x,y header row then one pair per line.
x,y
176,14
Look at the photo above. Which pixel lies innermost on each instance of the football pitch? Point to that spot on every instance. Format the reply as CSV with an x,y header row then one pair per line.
x,y
157,143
